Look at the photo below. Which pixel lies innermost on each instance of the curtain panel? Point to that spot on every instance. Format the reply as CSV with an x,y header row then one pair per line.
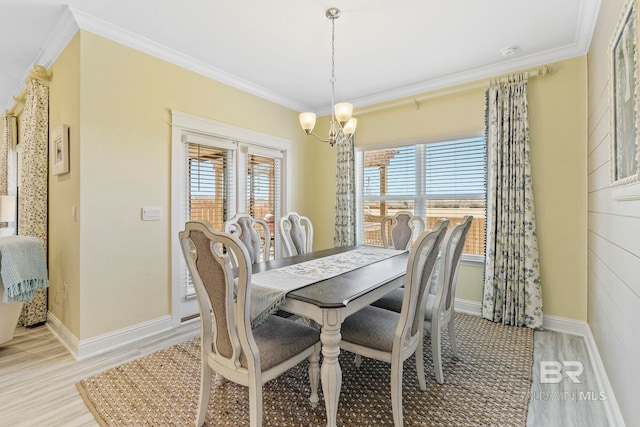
x,y
512,289
345,208
32,199
7,132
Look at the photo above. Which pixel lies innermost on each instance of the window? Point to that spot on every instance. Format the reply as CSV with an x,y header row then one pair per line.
x,y
210,178
263,193
217,171
432,179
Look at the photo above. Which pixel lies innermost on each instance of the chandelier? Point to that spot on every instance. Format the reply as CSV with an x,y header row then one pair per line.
x,y
342,124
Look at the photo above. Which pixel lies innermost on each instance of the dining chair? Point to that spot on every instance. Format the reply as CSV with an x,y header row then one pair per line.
x,y
230,347
439,310
403,227
296,232
244,226
393,337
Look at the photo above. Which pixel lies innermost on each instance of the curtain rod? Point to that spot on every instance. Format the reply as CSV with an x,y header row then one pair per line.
x,y
543,71
37,72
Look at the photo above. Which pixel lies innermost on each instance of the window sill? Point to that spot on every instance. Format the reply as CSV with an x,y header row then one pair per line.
x,y
472,260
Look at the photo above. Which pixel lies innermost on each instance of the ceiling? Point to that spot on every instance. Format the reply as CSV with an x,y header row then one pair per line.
x,y
281,50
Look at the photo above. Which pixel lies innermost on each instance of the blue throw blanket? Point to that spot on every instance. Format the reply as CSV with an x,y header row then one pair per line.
x,y
22,267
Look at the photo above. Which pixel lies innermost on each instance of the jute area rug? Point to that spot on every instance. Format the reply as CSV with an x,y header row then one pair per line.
x,y
487,386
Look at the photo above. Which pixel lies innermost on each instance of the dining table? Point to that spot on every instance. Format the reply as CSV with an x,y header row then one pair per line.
x,y
330,301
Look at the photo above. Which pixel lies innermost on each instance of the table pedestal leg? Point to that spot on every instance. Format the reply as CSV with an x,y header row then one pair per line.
x,y
331,374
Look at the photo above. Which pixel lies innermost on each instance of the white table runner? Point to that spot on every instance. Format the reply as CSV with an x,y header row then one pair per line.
x,y
269,289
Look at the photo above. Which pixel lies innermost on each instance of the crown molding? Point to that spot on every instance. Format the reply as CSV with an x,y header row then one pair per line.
x,y
586,24
120,35
589,11
469,76
59,38
74,19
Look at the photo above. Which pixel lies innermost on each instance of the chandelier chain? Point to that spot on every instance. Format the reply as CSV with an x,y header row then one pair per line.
x,y
333,60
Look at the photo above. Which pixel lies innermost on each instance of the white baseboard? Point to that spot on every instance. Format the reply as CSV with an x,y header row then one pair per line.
x,y
565,325
466,306
614,416
81,349
64,335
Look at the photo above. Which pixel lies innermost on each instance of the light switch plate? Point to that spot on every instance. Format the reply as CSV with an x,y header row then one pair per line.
x,y
151,213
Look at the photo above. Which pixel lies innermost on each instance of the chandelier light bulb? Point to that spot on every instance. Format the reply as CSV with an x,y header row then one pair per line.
x,y
343,111
350,127
307,121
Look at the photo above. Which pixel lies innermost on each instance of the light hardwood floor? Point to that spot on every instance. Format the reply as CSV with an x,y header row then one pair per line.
x,y
38,376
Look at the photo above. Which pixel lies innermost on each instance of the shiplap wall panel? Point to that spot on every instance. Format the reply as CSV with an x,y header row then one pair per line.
x,y
625,385
598,180
614,226
612,259
600,201
616,315
599,118
599,157
616,229
600,134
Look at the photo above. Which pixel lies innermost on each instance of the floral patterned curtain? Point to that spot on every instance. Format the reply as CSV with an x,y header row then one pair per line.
x,y
345,220
6,143
7,130
32,197
512,290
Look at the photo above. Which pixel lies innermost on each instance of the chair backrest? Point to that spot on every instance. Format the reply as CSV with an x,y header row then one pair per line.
x,y
447,278
403,227
422,259
243,226
296,232
210,255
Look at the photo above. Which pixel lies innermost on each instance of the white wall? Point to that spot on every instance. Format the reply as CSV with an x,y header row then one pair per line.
x,y
613,240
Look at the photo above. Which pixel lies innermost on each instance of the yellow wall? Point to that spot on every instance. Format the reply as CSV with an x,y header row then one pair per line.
x,y
117,102
557,118
124,139
64,191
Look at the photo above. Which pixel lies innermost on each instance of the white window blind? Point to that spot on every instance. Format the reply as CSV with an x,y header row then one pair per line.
x,y
263,192
431,180
210,181
210,185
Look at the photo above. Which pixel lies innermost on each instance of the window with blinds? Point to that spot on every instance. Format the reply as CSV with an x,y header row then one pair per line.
x,y
433,180
210,187
210,178
263,192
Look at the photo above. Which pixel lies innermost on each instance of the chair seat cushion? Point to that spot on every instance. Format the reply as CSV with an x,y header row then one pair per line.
x,y
279,339
393,301
371,327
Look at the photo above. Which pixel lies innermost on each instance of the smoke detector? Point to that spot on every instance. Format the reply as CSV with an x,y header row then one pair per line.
x,y
508,51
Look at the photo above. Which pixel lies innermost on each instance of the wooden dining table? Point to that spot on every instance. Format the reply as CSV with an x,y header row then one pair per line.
x,y
329,302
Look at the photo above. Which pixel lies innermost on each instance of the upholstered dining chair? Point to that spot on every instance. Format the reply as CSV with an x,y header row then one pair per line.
x,y
403,227
439,309
296,232
230,347
393,337
244,226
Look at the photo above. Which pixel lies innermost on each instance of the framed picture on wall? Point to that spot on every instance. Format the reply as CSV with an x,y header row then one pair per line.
x,y
624,84
59,149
